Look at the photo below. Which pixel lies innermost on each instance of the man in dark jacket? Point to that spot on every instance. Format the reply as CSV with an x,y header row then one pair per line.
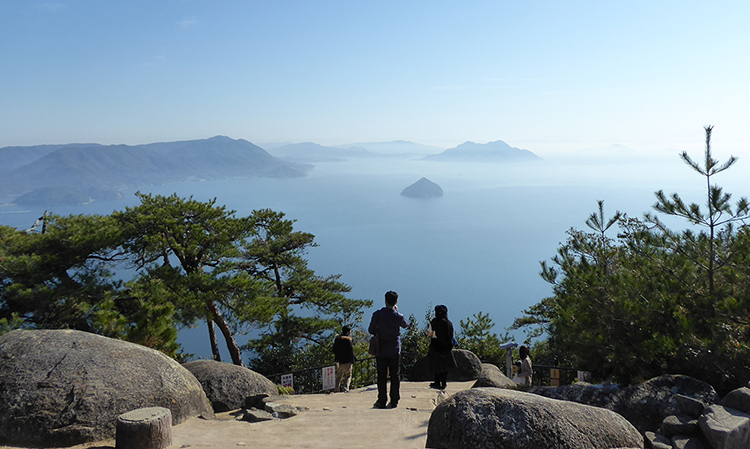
x,y
343,353
386,323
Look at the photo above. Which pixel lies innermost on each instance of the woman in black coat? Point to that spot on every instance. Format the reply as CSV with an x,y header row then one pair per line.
x,y
441,347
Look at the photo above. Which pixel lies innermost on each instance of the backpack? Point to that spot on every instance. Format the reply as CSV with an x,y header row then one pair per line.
x,y
374,346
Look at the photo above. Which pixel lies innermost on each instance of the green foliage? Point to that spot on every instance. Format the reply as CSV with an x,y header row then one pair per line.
x,y
281,349
54,279
716,219
193,260
542,353
476,336
62,278
205,283
414,339
652,300
311,307
473,334
10,324
415,343
598,223
284,390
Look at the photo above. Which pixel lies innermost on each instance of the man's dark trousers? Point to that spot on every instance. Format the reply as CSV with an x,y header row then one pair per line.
x,y
390,363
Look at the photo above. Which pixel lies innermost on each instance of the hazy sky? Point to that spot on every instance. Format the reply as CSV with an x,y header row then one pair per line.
x,y
537,74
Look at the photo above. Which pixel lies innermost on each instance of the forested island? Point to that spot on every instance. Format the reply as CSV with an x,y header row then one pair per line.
x,y
79,173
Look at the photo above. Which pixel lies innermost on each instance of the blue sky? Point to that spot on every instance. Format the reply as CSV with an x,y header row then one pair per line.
x,y
541,75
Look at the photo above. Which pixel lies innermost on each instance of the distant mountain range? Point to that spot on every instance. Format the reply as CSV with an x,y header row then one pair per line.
x,y
394,147
82,172
79,173
497,151
308,152
313,152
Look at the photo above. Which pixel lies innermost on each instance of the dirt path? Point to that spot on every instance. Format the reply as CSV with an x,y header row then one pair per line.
x,y
341,420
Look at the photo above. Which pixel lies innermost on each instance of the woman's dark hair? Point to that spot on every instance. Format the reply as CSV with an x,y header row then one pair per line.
x,y
523,351
441,312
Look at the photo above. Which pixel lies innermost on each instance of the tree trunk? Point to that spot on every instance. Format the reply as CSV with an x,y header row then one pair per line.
x,y
144,428
214,342
234,349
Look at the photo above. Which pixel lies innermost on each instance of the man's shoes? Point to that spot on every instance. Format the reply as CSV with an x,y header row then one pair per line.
x,y
378,405
435,385
393,405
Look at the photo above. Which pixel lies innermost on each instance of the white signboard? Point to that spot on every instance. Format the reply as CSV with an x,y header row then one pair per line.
x,y
287,380
329,377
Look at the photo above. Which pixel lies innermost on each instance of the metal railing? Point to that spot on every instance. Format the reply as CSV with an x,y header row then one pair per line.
x,y
542,375
364,372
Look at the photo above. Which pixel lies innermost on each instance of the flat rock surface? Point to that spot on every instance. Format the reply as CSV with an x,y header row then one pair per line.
x,y
332,421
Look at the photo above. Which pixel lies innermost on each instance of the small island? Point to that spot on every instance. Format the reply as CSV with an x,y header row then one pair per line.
x,y
424,188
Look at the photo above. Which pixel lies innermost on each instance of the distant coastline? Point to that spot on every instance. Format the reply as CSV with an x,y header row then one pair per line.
x,y
68,174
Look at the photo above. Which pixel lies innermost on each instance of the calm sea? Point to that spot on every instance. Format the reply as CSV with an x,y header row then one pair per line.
x,y
476,249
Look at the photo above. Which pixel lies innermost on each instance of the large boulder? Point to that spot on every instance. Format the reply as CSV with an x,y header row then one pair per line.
x,y
602,395
66,387
511,419
468,367
738,399
725,428
491,376
227,386
645,405
724,425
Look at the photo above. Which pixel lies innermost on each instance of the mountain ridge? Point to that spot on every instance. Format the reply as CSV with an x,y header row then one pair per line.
x,y
104,169
92,171
313,152
496,151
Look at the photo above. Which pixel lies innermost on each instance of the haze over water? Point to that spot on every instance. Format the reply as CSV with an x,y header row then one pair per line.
x,y
476,249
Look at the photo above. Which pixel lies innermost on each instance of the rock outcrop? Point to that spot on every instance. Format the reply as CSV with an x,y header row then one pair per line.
x,y
491,376
673,412
270,411
66,387
738,399
468,367
645,405
653,400
228,386
424,188
510,419
717,426
725,428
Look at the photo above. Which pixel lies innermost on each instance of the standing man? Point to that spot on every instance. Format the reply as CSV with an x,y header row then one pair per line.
x,y
386,324
343,353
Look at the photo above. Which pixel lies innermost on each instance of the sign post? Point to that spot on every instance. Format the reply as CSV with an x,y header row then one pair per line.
x,y
554,376
509,358
329,377
287,381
